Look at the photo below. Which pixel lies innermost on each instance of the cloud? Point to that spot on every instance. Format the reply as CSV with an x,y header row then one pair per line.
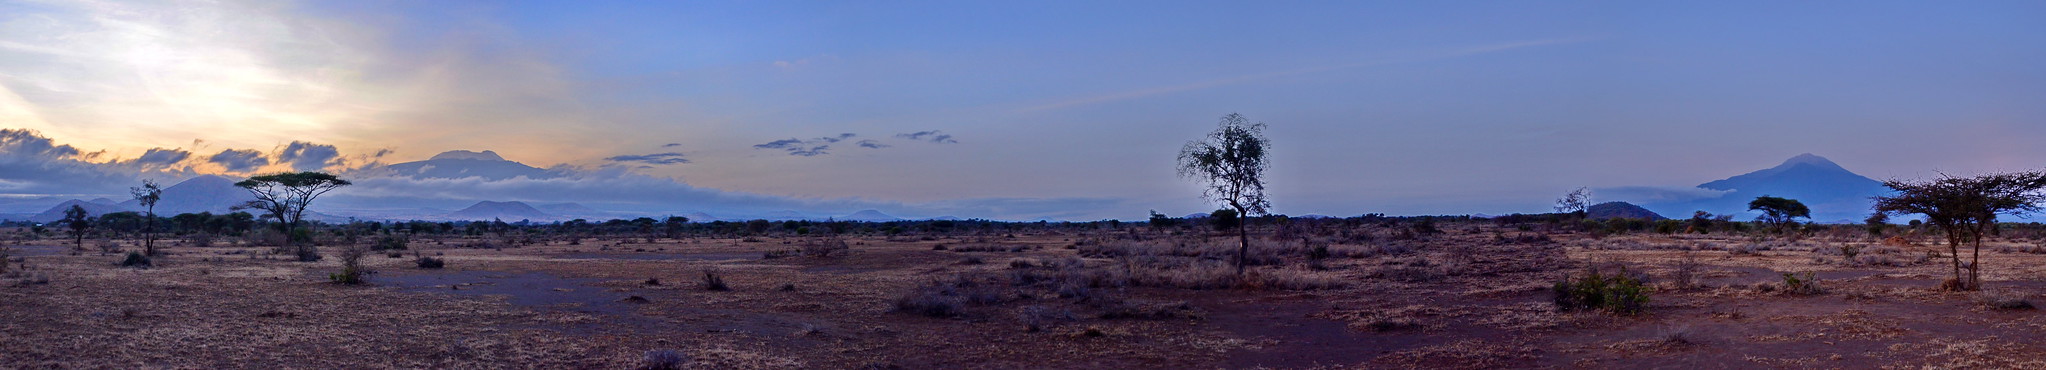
x,y
1655,194
934,136
33,164
25,142
239,160
806,148
671,145
162,157
304,156
871,144
656,158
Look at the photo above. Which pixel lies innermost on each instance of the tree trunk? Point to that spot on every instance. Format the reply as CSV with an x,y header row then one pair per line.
x,y
1243,240
1975,264
1954,251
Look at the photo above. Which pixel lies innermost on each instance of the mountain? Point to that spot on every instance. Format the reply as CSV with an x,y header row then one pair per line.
x,y
505,211
1833,193
462,164
207,193
700,217
869,216
1607,210
91,208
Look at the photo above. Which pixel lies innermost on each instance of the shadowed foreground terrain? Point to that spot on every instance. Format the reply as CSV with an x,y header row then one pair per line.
x,y
1335,294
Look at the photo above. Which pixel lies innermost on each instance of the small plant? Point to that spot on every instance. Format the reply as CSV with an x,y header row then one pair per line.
x,y
136,260
2004,301
663,359
712,281
352,271
1619,293
431,263
1802,284
1685,275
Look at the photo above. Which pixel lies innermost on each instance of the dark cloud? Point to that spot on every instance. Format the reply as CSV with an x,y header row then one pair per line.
x,y
805,148
240,160
671,145
834,139
780,144
31,163
24,142
934,136
811,151
871,144
304,156
656,158
161,157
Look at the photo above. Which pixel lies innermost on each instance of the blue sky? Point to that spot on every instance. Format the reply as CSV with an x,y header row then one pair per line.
x,y
1374,107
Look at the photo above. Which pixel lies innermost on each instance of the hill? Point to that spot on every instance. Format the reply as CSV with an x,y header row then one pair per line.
x,y
92,208
1608,210
869,216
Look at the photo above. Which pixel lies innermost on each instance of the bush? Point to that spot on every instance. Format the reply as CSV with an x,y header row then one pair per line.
x,y
1618,293
1807,284
352,271
390,242
135,259
431,263
714,282
827,247
2004,301
663,359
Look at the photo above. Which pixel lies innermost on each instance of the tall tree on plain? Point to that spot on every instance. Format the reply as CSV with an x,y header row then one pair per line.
x,y
1231,161
1778,212
286,195
79,221
1966,209
147,195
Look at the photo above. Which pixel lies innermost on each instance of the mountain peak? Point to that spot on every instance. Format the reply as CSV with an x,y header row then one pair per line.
x,y
1808,159
464,154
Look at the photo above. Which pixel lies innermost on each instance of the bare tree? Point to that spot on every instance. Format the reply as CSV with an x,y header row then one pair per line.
x,y
285,196
1966,209
147,195
1578,200
1232,163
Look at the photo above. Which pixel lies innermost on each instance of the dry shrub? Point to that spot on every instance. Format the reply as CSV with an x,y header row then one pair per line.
x,y
2004,300
826,247
1286,279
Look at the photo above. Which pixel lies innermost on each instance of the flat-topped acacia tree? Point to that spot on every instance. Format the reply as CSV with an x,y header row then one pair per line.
x,y
1232,163
285,197
1965,208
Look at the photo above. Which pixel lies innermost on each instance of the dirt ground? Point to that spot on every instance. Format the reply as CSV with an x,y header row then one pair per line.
x,y
1477,296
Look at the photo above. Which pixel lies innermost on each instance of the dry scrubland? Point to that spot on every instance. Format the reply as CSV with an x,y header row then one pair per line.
x,y
1376,295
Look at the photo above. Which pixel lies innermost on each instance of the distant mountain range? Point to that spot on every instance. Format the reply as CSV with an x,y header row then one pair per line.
x,y
1834,194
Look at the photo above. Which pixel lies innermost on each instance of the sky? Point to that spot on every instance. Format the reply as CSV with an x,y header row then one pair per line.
x,y
1016,110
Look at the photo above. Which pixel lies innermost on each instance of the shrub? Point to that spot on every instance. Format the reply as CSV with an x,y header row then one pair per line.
x,y
663,359
431,263
826,247
390,242
712,281
352,271
1807,284
2004,301
135,259
1618,293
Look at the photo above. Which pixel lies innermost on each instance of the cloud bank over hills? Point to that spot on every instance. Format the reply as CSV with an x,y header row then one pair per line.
x,y
36,172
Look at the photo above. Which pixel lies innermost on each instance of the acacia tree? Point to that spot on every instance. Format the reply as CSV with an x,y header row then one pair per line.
x,y
79,221
285,196
1966,209
1232,163
147,195
1576,201
1779,213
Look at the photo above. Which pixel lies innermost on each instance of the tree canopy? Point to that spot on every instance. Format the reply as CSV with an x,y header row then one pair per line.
x,y
1965,208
